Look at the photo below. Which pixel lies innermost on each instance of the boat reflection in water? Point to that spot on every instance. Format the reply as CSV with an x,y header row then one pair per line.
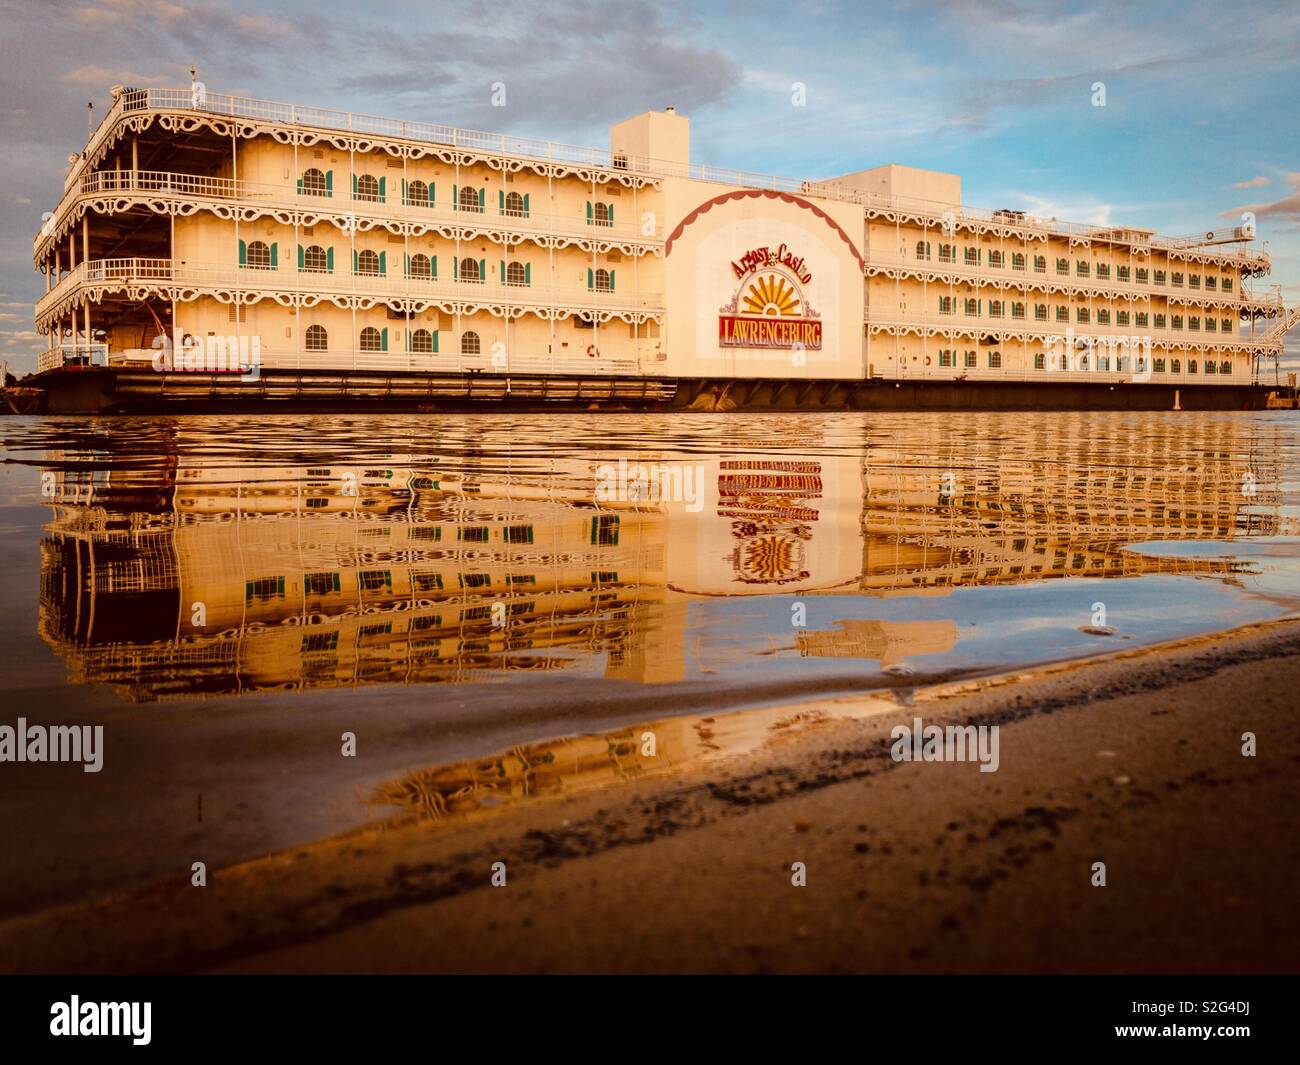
x,y
217,556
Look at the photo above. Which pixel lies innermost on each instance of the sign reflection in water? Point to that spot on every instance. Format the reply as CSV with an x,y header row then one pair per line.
x,y
222,556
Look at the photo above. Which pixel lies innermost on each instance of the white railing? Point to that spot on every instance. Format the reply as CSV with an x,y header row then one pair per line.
x,y
286,196
1045,329
1242,372
72,354
1020,278
284,278
285,114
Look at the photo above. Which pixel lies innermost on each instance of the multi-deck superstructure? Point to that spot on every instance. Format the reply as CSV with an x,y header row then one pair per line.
x,y
215,248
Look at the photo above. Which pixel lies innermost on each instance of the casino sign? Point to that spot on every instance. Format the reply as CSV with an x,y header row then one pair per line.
x,y
770,308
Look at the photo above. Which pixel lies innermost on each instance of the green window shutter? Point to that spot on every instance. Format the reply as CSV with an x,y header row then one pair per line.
x,y
525,203
591,278
383,264
501,268
482,269
243,254
455,268
329,182
528,273
501,200
329,260
435,341
335,582
407,265
354,260
383,339
354,186
455,198
275,254
432,187
433,267
482,197
302,258
611,281
382,182
404,195
300,186
611,214
588,212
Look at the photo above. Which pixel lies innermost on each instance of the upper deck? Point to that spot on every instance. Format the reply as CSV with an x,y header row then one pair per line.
x,y
186,110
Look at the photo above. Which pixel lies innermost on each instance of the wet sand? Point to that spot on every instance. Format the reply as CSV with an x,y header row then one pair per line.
x,y
1133,760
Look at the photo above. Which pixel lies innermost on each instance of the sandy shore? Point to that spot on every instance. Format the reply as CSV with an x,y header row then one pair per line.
x,y
620,863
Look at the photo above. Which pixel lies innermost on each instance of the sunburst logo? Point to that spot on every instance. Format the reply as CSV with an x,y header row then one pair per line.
x,y
770,308
771,294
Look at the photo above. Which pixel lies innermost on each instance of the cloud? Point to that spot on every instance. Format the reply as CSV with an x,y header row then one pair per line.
x,y
638,53
1287,208
99,77
1253,183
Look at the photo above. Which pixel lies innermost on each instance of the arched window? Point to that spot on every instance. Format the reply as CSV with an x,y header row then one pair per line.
x,y
314,183
1160,365
417,194
368,262
422,341
259,255
469,200
367,187
370,339
1017,261
469,343
515,274
602,281
1040,264
1225,367
1175,365
600,214
421,267
922,250
315,260
317,338
515,205
1191,365
469,270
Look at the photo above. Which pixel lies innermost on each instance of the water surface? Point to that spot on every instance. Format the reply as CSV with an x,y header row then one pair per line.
x,y
229,594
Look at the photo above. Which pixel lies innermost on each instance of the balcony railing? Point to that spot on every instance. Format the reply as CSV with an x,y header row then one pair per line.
x,y
1110,288
985,324
190,187
126,272
200,101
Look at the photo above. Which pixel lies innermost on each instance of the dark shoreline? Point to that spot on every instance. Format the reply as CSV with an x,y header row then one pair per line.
x,y
1133,759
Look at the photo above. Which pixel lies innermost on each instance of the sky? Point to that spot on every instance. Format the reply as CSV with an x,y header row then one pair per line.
x,y
1200,119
